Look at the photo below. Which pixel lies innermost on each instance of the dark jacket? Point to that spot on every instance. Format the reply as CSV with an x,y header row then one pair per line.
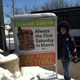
x,y
66,42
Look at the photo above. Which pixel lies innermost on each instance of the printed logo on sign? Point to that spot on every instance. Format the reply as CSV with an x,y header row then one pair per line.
x,y
25,37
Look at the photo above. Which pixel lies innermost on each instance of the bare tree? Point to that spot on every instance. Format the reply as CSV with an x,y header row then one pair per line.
x,y
10,14
18,11
31,9
77,3
57,4
54,4
26,10
34,8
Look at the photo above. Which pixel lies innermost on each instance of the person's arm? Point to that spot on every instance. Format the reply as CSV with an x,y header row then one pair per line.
x,y
74,51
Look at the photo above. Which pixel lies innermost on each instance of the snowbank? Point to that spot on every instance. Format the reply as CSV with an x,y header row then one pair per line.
x,y
31,73
7,75
10,62
8,58
1,51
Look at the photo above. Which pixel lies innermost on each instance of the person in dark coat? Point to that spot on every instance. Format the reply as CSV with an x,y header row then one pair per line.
x,y
66,47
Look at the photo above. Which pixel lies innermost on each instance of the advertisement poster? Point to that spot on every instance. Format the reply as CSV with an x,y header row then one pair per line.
x,y
36,40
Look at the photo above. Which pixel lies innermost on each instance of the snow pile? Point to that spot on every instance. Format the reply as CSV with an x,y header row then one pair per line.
x,y
36,71
6,75
8,58
30,73
1,51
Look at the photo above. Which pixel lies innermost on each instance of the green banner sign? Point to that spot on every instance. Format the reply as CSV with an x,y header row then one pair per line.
x,y
49,22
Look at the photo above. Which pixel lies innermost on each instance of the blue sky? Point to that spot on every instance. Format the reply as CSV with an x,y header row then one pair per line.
x,y
7,4
21,3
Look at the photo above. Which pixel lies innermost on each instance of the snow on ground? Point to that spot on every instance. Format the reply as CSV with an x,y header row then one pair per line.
x,y
1,51
30,73
27,73
7,75
7,58
38,73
